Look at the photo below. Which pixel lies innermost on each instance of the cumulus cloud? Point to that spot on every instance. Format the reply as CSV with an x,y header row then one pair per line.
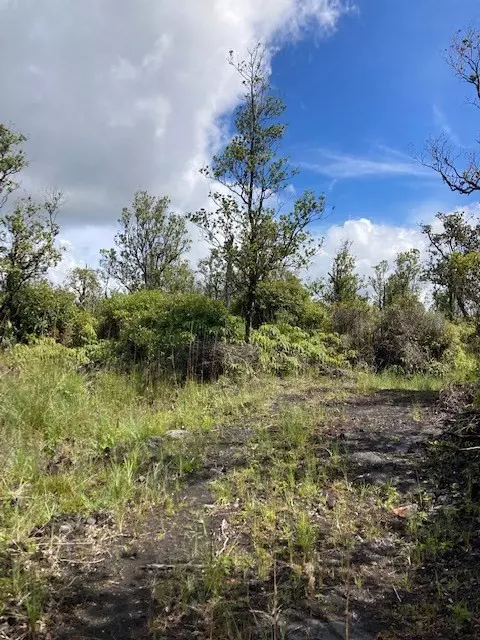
x,y
120,95
371,243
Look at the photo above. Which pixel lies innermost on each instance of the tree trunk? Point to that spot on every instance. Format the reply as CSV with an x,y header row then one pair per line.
x,y
249,311
463,308
248,327
250,299
229,272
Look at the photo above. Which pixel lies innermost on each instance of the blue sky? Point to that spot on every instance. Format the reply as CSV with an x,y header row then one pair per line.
x,y
373,93
122,95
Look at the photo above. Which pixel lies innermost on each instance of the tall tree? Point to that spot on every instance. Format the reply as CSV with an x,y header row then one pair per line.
x,y
459,169
85,284
405,282
213,272
343,283
255,239
150,245
180,278
27,248
12,161
451,265
378,283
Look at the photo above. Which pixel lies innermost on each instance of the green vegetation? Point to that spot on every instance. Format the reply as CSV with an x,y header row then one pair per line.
x,y
291,422
150,246
77,445
287,350
156,313
250,239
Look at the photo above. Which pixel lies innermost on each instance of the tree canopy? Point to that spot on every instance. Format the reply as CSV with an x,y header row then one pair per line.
x,y
149,246
251,234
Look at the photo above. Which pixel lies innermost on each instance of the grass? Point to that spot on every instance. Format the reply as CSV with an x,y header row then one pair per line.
x,y
79,444
306,523
296,506
387,380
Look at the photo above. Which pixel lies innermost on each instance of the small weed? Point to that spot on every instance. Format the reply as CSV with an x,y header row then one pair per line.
x,y
25,594
305,535
417,415
461,614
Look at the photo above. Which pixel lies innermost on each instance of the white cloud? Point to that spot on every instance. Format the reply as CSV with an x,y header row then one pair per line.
x,y
424,212
383,162
371,243
81,247
441,121
119,95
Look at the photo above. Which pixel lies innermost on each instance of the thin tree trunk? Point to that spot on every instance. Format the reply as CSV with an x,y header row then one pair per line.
x,y
229,272
248,328
249,308
463,308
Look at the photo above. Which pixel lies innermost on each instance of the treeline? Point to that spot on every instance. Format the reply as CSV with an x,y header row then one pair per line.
x,y
147,304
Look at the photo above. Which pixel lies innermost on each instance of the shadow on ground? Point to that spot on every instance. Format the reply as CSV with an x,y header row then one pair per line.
x,y
419,580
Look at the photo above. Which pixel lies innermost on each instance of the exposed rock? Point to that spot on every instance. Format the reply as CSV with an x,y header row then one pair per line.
x,y
405,511
369,457
155,443
320,630
177,434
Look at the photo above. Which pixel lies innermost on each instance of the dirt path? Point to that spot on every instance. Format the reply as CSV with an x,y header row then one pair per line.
x,y
379,442
116,598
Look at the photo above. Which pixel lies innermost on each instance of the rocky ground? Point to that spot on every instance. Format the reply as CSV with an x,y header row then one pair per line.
x,y
372,561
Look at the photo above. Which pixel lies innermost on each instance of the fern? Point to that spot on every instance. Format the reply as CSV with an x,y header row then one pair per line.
x,y
285,349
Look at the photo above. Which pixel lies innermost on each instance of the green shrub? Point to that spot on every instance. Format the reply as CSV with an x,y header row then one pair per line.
x,y
315,317
45,311
43,352
356,322
459,357
280,301
411,339
286,301
285,349
158,329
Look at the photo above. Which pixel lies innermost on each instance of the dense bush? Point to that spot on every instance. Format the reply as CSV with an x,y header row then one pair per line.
x,y
280,301
193,335
286,349
461,355
41,310
315,316
42,352
356,322
403,336
286,301
410,338
161,330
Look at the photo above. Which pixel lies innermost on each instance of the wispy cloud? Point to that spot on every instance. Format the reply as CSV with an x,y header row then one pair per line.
x,y
382,163
441,121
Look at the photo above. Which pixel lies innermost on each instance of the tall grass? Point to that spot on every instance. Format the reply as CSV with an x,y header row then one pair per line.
x,y
385,380
78,443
